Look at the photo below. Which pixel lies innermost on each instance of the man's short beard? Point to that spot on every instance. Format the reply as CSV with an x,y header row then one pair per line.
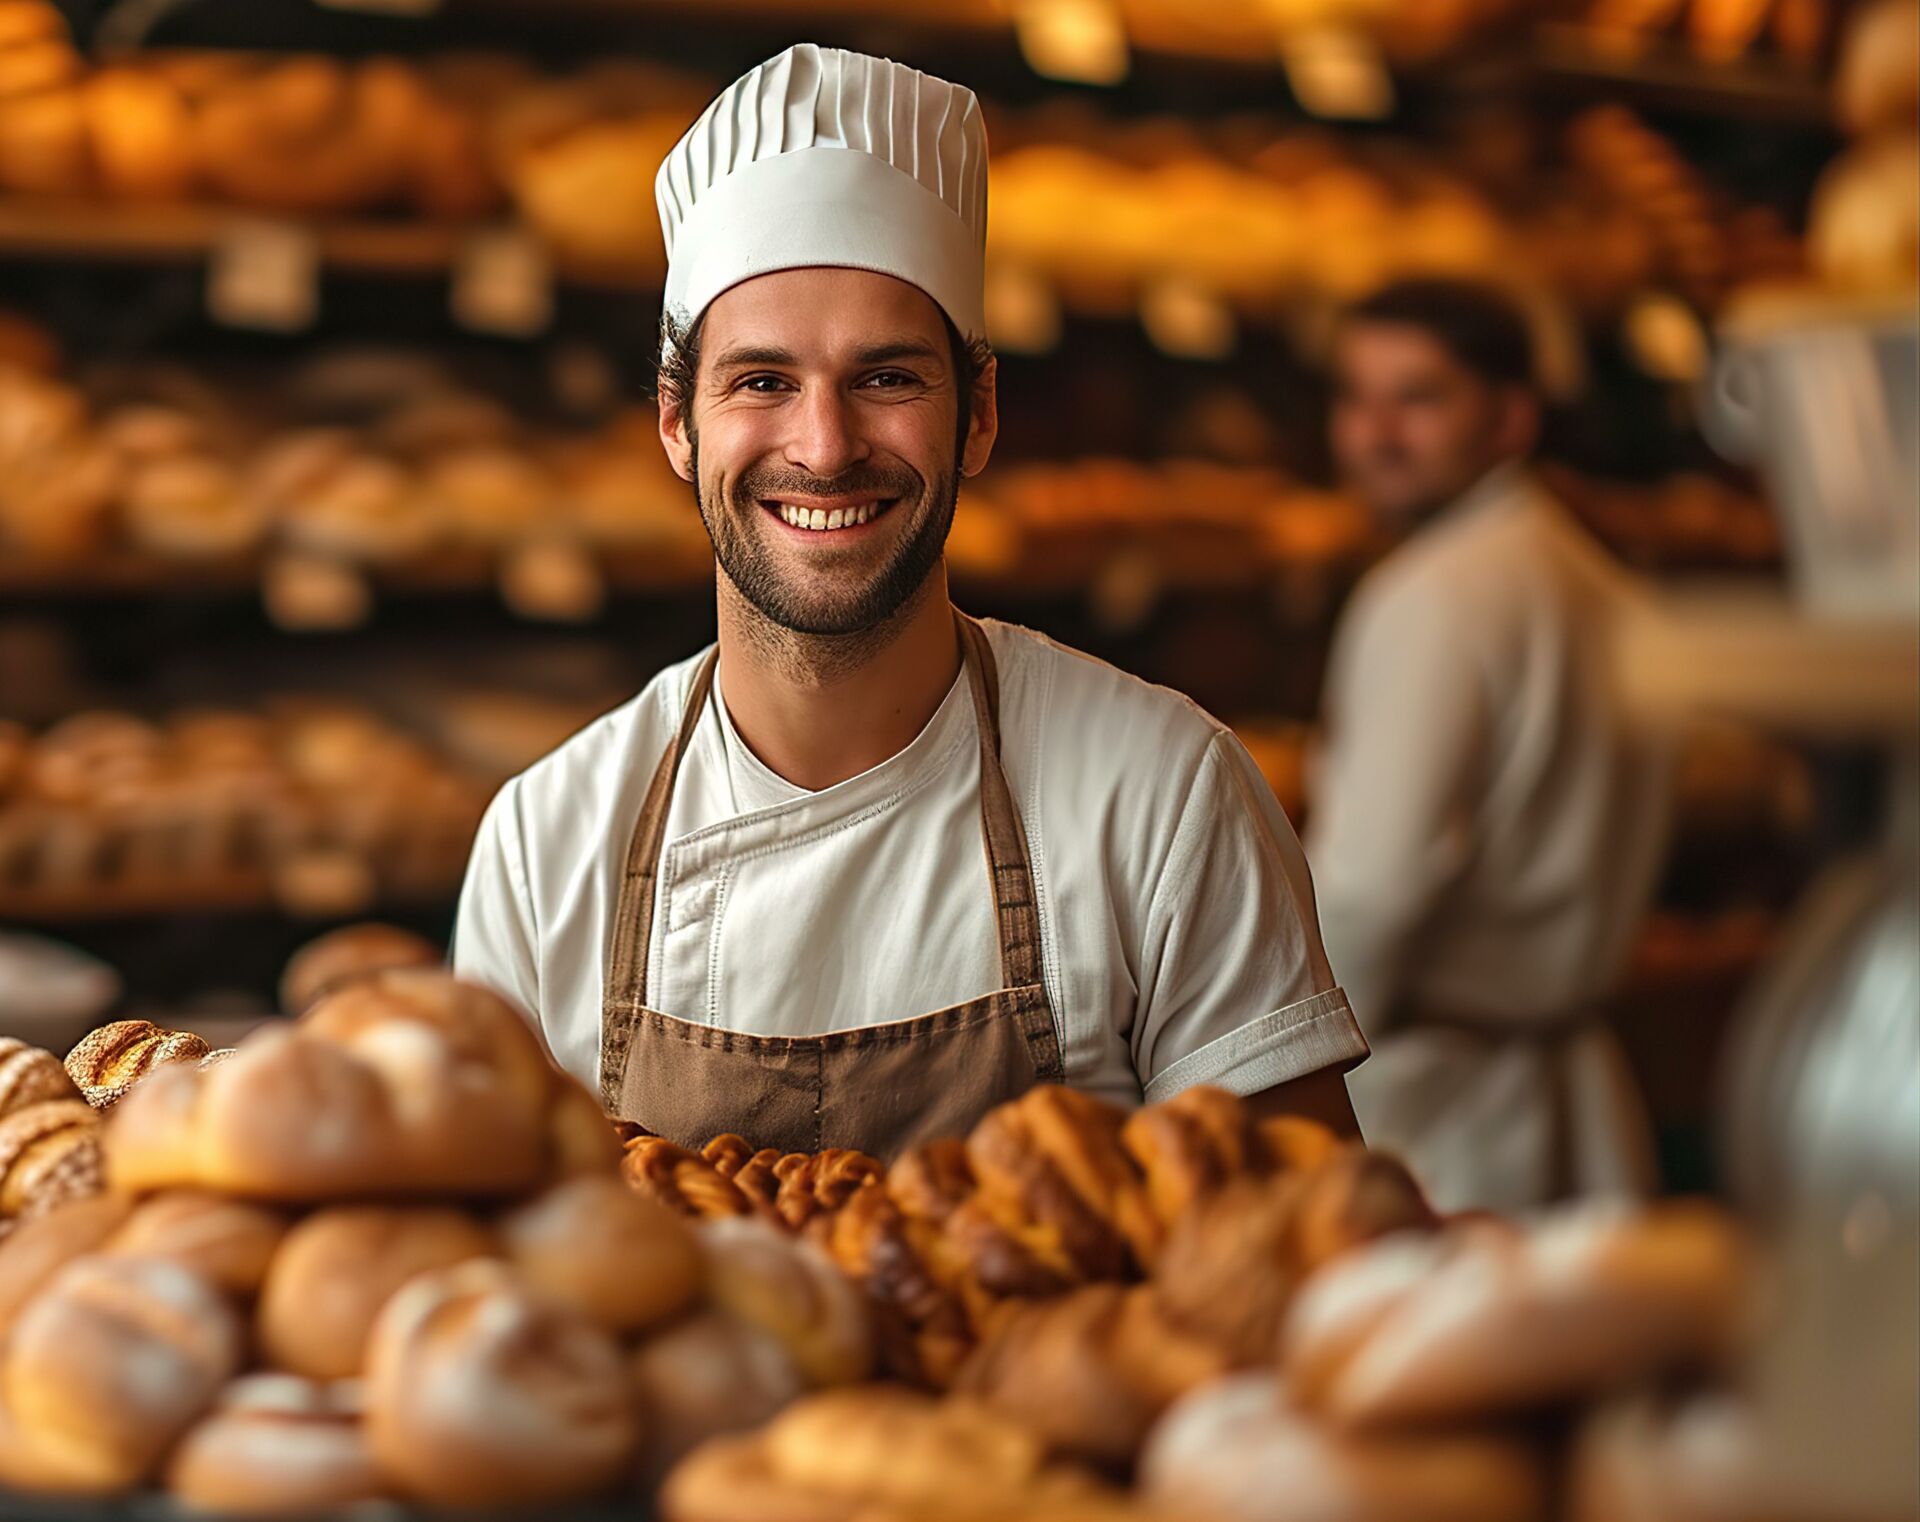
x,y
755,574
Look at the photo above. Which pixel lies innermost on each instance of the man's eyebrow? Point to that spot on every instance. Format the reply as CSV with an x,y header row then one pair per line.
x,y
897,349
754,354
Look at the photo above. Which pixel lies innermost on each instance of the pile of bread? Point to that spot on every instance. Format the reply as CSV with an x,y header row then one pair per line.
x,y
1714,31
461,136
326,802
219,481
384,1251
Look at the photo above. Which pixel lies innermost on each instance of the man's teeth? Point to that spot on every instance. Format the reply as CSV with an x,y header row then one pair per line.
x,y
821,518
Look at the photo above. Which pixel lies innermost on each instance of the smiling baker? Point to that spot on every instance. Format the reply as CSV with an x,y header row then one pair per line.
x,y
868,867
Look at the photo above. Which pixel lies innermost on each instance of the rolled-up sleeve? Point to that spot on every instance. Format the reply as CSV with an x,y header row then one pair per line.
x,y
1235,987
495,940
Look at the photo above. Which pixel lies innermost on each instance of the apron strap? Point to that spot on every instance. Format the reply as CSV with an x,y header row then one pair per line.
x,y
1009,868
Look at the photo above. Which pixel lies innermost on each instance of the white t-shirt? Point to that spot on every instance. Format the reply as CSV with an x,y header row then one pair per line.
x,y
1179,943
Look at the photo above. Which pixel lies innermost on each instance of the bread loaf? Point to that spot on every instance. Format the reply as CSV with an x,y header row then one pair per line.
x,y
594,1244
36,1250
277,1444
113,1360
480,1392
707,1375
337,1270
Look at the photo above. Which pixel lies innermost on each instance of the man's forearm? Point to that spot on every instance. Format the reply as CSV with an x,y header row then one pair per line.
x,y
1320,1096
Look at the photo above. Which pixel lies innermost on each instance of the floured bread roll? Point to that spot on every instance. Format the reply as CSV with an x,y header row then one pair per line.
x,y
1237,1451
36,1250
49,1155
480,1392
338,1269
29,1075
353,951
277,1444
113,1361
704,1377
229,1243
596,1245
108,1062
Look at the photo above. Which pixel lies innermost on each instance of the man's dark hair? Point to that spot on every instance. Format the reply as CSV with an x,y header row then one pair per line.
x,y
680,363
1473,322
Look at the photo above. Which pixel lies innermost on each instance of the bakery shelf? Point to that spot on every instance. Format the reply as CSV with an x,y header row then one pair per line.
x,y
151,894
189,232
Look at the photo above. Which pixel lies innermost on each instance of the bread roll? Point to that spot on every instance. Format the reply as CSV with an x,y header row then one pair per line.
x,y
29,1075
49,1154
142,135
339,1267
113,1360
1089,1373
480,1392
704,1377
795,1292
1236,1451
353,951
277,1444
593,1244
305,135
153,1140
581,1139
229,1243
43,136
1590,1300
107,1062
36,1250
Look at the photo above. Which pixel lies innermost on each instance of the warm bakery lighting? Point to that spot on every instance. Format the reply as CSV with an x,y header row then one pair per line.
x,y
1084,41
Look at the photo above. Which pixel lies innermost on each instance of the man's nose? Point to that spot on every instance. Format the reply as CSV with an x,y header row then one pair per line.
x,y
826,437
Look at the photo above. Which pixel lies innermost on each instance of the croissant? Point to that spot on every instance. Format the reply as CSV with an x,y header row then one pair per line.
x,y
109,1061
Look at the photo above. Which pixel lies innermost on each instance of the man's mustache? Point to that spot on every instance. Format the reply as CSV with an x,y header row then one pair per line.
x,y
759,482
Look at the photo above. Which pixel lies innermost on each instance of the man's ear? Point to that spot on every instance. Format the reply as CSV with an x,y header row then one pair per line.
x,y
983,426
673,436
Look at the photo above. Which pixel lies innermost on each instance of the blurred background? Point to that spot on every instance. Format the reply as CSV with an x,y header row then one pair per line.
x,y
330,497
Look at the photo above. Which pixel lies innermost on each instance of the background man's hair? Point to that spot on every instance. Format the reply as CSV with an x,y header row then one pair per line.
x,y
1474,322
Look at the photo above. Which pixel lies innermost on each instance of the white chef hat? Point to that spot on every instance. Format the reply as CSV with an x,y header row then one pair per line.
x,y
825,157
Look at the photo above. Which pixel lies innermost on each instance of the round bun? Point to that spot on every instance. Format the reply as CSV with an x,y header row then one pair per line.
x,y
594,1244
113,1361
1236,1450
338,1269
142,135
793,1290
353,951
153,1140
480,1392
36,1250
227,1242
276,1444
29,1075
49,1155
709,1375
106,1063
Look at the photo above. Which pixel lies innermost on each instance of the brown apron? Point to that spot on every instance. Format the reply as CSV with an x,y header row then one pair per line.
x,y
880,1088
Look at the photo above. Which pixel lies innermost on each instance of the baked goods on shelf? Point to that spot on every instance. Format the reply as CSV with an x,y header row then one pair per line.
x,y
353,951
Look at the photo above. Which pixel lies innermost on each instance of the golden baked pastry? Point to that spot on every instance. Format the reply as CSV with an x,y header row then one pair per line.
x,y
707,1375
49,1155
30,1075
792,1289
277,1444
1088,1373
595,1244
141,130
681,1180
480,1392
337,1270
112,1361
34,1251
229,1243
106,1063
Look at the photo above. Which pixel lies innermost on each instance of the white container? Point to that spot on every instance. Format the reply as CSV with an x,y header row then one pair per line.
x,y
1822,395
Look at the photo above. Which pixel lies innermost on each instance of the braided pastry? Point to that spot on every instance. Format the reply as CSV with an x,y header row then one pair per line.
x,y
680,1179
727,1153
111,1060
923,1326
30,1076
